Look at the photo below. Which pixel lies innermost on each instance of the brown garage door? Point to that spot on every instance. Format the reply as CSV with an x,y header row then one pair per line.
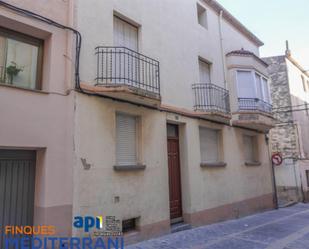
x,y
17,178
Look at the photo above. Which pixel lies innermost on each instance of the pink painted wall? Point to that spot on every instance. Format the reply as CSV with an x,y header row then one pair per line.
x,y
44,121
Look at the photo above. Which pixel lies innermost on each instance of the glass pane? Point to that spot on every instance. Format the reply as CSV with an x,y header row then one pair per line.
x,y
259,86
18,63
172,130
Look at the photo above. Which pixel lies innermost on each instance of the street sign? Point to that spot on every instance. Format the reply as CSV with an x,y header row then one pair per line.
x,y
277,159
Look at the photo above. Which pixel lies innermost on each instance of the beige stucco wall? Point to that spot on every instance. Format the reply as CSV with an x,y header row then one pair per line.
x,y
42,120
169,32
145,194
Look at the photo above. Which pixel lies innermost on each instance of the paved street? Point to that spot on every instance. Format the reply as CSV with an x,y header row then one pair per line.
x,y
286,228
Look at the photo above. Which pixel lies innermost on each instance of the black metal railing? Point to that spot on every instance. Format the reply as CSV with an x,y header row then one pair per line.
x,y
254,104
212,98
120,65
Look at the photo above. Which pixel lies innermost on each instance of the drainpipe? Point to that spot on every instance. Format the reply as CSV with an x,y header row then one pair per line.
x,y
273,173
222,51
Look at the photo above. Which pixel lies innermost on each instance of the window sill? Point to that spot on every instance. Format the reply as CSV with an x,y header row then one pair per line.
x,y
23,88
213,165
252,163
137,167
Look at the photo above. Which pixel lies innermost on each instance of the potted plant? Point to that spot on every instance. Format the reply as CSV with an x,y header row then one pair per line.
x,y
13,70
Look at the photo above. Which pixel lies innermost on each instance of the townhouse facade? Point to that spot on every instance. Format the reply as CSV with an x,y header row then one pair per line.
x,y
290,95
173,126
169,124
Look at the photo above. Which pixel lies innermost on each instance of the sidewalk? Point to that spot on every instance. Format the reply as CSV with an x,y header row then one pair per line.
x,y
286,228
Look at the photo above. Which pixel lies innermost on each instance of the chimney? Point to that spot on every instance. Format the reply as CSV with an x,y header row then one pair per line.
x,y
287,51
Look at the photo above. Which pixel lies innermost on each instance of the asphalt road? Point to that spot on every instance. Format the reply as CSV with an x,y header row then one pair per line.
x,y
286,228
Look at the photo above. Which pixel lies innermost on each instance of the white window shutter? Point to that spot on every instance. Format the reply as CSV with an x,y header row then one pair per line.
x,y
204,72
125,34
126,140
245,84
209,145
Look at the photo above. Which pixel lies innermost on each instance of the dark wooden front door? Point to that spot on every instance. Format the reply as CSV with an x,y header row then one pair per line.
x,y
174,172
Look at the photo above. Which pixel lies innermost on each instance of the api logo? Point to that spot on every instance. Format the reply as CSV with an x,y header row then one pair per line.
x,y
88,222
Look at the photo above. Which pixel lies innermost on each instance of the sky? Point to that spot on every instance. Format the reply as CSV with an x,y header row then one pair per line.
x,y
274,22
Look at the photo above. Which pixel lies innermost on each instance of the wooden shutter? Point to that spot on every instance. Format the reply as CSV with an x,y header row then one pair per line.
x,y
204,72
125,34
126,140
209,145
245,84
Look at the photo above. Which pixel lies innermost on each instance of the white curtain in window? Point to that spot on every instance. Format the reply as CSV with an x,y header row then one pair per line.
x,y
126,140
209,145
245,84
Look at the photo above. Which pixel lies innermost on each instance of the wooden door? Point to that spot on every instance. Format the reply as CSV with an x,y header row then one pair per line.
x,y
174,173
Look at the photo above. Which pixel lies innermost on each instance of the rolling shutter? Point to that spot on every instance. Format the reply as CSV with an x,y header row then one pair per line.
x,y
126,147
209,145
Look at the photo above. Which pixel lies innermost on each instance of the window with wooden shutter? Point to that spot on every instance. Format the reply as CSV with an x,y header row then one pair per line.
x,y
209,145
126,140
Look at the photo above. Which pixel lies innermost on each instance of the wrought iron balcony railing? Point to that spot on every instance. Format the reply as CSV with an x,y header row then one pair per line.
x,y
254,104
211,98
123,66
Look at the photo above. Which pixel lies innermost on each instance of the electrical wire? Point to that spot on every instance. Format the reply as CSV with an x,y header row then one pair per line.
x,y
78,39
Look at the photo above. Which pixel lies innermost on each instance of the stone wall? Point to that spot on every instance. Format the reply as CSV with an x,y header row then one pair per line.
x,y
284,135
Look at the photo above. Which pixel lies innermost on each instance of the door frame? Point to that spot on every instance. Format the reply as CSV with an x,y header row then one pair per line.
x,y
178,219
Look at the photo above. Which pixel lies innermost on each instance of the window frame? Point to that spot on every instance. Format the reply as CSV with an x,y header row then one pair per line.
x,y
255,160
21,37
253,74
219,145
137,140
201,10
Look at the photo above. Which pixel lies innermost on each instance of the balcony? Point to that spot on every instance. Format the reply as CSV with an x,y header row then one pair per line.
x,y
254,113
254,104
212,102
125,74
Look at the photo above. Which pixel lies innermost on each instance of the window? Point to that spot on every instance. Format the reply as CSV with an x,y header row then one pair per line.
x,y
125,34
307,175
202,16
20,59
126,140
204,69
250,149
209,145
245,83
251,84
129,225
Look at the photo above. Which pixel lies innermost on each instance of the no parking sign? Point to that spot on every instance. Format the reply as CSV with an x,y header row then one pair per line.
x,y
277,159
